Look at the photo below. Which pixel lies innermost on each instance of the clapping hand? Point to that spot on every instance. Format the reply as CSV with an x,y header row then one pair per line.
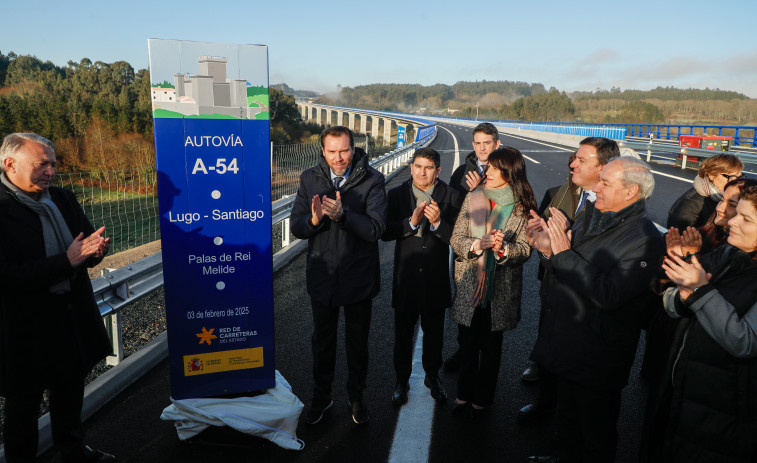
x,y
472,179
499,240
538,235
83,248
433,213
559,240
687,275
333,207
418,214
491,239
316,209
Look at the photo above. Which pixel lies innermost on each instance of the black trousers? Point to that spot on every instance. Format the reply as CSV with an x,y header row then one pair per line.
x,y
21,414
480,356
586,422
432,323
357,323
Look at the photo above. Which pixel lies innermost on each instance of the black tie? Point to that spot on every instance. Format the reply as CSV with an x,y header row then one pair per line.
x,y
337,182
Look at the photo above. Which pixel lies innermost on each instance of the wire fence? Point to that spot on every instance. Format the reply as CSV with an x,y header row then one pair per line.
x,y
289,161
126,201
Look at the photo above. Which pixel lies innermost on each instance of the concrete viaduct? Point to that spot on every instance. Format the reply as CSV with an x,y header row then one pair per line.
x,y
381,126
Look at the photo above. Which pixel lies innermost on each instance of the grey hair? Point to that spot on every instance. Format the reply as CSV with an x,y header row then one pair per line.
x,y
635,172
14,141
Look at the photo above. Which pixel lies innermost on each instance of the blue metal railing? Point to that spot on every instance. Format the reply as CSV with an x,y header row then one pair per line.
x,y
743,135
616,133
740,133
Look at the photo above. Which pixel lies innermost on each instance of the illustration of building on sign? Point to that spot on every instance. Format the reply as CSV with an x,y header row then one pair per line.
x,y
210,93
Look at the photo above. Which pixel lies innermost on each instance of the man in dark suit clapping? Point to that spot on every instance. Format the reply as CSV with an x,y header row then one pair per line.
x,y
422,213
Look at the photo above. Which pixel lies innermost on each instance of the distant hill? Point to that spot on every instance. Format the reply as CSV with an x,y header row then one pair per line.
x,y
661,93
295,93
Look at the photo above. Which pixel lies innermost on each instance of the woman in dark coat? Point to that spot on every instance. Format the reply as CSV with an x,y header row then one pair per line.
x,y
490,241
695,207
713,414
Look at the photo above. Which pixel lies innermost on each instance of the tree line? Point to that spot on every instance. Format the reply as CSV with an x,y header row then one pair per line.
x,y
100,114
508,100
661,93
411,97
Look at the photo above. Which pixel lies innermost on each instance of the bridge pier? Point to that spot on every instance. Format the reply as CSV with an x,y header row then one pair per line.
x,y
387,131
351,121
375,127
363,123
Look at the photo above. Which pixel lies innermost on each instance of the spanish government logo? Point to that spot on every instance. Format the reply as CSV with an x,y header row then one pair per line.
x,y
195,365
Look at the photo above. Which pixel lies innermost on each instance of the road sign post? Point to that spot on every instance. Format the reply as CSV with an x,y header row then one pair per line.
x,y
210,109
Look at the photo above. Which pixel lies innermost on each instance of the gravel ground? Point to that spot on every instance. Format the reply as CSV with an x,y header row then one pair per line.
x,y
141,322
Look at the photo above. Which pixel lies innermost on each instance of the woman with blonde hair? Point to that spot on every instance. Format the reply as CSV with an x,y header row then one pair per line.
x,y
695,207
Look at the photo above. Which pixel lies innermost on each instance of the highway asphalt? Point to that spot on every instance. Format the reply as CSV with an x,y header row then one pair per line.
x,y
130,426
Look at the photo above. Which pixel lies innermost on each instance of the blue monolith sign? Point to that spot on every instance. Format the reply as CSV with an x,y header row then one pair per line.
x,y
210,109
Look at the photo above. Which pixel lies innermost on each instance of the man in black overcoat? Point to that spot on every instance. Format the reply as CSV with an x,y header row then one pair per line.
x,y
601,271
340,209
422,214
51,332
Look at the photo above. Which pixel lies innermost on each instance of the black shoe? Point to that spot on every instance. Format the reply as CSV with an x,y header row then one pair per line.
x,y
317,409
477,413
453,363
436,387
544,459
399,397
531,373
89,455
359,411
534,411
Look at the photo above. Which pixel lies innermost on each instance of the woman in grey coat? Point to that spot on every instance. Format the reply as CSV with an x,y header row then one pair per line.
x,y
490,241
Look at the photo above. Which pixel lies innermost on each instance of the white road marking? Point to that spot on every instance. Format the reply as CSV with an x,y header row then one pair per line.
x,y
672,176
412,436
457,149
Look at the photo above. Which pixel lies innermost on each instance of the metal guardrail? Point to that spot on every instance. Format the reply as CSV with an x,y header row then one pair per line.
x,y
746,158
121,287
661,141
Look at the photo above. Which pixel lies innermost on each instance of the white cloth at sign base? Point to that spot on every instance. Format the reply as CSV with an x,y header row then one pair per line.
x,y
273,415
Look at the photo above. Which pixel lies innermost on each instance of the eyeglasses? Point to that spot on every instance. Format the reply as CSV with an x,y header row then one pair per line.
x,y
732,177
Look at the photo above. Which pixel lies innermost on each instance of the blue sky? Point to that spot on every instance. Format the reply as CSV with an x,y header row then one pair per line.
x,y
580,45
